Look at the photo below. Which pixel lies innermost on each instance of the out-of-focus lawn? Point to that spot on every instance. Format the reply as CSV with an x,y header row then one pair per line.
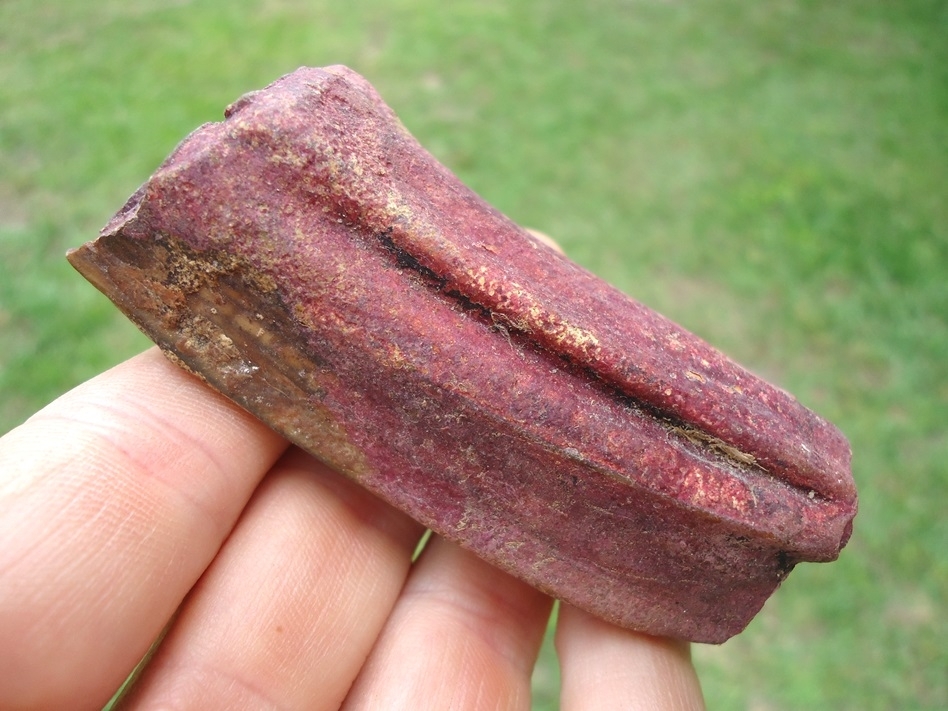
x,y
771,175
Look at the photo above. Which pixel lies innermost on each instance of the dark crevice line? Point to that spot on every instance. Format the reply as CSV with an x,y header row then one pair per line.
x,y
407,261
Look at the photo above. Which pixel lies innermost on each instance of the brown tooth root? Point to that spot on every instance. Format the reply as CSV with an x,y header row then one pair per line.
x,y
312,262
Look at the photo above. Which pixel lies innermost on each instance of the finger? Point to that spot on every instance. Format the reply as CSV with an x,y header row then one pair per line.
x,y
113,500
545,239
463,635
605,667
288,611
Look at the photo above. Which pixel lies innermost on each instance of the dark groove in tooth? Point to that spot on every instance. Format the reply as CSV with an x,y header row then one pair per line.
x,y
675,425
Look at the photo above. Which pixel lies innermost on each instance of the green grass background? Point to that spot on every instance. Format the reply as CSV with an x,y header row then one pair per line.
x,y
771,175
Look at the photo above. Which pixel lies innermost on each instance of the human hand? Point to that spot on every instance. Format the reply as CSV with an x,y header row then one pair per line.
x,y
143,492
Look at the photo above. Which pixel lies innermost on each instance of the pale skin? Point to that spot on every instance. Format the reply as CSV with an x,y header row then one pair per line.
x,y
142,496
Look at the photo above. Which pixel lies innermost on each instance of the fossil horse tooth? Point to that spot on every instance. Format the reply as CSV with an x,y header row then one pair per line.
x,y
311,261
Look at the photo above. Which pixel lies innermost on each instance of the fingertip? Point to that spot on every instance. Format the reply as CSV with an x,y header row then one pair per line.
x,y
463,635
287,613
604,666
114,498
545,239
